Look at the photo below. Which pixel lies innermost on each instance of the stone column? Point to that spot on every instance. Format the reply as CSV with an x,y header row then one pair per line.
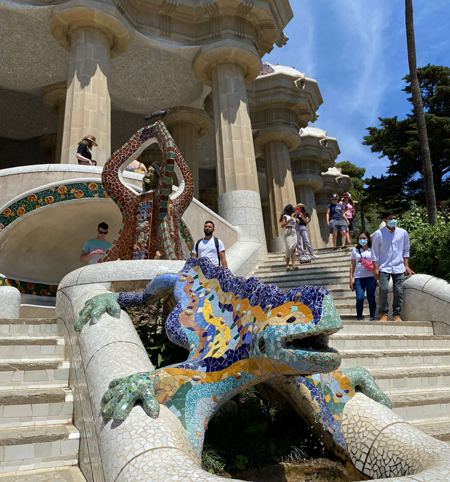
x,y
55,101
93,33
305,194
48,145
227,66
276,142
187,124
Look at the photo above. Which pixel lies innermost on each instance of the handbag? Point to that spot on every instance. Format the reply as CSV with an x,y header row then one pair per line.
x,y
366,263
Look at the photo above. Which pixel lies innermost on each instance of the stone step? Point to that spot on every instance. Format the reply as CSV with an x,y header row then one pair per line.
x,y
422,405
342,341
427,377
316,265
32,373
439,429
300,277
394,357
328,255
28,448
33,407
403,327
337,288
37,311
25,346
57,474
28,326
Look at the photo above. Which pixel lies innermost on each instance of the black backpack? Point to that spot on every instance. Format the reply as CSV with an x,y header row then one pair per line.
x,y
216,244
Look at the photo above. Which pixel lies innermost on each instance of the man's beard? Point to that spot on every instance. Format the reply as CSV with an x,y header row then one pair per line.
x,y
207,233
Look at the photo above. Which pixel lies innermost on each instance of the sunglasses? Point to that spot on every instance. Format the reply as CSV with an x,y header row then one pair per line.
x,y
103,232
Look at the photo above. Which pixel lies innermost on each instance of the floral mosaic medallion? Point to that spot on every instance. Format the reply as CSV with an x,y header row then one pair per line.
x,y
56,195
28,288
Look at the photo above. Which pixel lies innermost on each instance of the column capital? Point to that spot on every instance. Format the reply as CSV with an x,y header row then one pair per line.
x,y
276,133
189,115
88,14
223,52
55,96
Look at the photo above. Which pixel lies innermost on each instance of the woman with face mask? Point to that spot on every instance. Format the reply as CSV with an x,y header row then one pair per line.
x,y
361,275
289,223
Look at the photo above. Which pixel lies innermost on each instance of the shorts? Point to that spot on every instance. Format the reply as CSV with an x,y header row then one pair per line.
x,y
338,225
350,226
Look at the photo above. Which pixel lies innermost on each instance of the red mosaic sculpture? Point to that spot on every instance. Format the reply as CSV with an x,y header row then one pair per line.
x,y
151,220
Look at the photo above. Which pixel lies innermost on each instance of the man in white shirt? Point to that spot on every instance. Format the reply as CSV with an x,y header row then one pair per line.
x,y
390,257
210,247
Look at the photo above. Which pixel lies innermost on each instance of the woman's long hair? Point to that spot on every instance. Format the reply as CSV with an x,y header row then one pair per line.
x,y
288,210
369,240
86,142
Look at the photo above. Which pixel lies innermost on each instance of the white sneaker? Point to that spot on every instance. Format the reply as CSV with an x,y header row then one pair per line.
x,y
314,256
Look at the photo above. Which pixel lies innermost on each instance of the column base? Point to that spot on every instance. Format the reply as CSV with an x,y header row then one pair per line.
x,y
242,209
276,245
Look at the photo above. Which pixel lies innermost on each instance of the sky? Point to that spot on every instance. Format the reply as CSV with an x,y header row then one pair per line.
x,y
356,50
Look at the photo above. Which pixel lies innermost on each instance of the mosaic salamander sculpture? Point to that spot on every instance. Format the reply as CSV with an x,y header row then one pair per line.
x,y
239,332
151,219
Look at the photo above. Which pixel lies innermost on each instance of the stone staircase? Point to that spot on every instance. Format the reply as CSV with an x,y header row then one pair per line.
x,y
408,362
38,442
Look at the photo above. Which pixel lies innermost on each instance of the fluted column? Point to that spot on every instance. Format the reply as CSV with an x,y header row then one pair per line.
x,y
276,142
228,66
186,125
280,188
305,194
93,33
55,101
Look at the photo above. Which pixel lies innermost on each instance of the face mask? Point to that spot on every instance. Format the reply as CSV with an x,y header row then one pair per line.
x,y
207,232
362,242
392,223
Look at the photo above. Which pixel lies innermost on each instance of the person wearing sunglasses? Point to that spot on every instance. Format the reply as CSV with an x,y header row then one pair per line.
x,y
95,248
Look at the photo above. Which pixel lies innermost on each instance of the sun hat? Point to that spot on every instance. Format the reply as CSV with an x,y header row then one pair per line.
x,y
91,138
347,194
301,205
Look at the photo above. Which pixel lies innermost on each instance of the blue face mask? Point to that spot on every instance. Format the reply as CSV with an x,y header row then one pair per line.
x,y
392,223
362,242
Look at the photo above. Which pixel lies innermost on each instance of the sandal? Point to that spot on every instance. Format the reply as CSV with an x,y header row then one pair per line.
x,y
288,269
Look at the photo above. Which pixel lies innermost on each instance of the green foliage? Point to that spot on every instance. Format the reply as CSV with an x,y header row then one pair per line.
x,y
149,323
430,248
253,432
211,461
398,141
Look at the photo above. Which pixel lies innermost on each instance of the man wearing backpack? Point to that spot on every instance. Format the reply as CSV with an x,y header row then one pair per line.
x,y
210,247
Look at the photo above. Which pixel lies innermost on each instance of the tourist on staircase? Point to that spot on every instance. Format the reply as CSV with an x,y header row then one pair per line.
x,y
361,275
302,235
390,257
289,223
349,211
337,221
210,247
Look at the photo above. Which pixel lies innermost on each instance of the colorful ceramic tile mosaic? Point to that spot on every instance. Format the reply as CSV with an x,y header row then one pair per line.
x,y
40,199
67,192
266,69
239,332
159,232
30,288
